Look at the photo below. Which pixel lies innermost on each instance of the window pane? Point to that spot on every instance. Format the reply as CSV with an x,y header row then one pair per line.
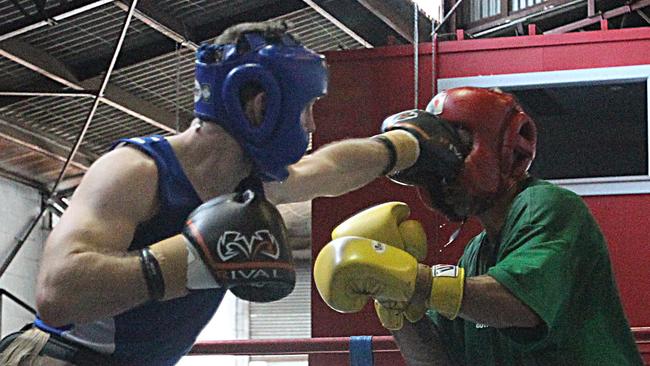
x,y
588,131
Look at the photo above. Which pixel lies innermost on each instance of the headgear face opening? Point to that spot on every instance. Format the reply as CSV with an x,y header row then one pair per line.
x,y
504,140
290,75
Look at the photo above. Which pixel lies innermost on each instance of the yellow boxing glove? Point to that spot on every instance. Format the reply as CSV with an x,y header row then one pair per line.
x,y
387,223
350,270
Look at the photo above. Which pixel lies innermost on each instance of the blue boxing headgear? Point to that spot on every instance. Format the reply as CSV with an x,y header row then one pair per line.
x,y
290,74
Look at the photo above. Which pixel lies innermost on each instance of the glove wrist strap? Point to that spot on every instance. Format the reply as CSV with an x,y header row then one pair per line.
x,y
403,147
447,286
423,282
152,274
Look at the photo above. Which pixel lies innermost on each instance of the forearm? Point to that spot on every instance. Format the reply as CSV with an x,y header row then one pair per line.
x,y
341,167
89,285
347,165
420,344
486,301
332,170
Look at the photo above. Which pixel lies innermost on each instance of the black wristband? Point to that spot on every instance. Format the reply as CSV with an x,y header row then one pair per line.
x,y
392,152
152,274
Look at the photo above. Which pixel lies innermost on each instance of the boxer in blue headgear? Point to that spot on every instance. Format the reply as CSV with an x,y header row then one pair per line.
x,y
137,265
289,74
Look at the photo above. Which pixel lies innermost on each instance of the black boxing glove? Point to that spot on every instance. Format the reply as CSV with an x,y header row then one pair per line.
x,y
243,241
442,152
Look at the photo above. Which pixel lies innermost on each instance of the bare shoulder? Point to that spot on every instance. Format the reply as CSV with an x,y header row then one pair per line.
x,y
122,182
119,189
116,194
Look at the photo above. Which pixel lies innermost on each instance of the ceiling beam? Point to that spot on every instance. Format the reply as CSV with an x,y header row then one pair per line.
x,y
527,15
643,15
170,27
389,16
23,180
628,8
338,23
56,15
41,62
43,144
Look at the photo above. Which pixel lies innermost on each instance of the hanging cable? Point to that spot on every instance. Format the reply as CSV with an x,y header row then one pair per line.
x,y
434,44
100,93
178,85
416,41
434,53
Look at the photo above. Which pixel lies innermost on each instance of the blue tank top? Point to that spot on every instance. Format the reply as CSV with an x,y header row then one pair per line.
x,y
156,333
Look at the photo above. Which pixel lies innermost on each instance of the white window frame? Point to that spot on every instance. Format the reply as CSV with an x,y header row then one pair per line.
x,y
593,186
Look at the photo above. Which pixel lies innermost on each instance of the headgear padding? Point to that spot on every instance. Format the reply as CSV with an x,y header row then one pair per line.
x,y
290,74
504,137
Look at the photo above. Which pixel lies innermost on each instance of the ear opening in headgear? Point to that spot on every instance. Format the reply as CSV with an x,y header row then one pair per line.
x,y
233,85
289,74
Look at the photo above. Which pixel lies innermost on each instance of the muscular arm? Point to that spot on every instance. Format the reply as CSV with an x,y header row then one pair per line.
x,y
332,170
338,168
487,302
86,271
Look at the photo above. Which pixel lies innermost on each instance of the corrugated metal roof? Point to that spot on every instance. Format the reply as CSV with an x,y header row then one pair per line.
x,y
14,76
318,33
166,81
88,36
9,12
87,40
200,12
64,118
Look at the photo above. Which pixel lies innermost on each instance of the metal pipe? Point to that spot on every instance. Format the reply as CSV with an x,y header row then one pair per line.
x,y
338,23
643,15
49,94
526,18
43,23
21,241
416,55
434,46
17,300
288,346
434,65
625,9
160,27
100,94
446,17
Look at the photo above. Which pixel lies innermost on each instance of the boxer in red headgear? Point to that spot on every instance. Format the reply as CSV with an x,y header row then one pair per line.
x,y
534,288
498,141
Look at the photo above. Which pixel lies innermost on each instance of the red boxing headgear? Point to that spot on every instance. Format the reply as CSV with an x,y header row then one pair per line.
x,y
504,137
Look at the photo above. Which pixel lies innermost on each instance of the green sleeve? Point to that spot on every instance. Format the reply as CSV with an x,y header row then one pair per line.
x,y
538,258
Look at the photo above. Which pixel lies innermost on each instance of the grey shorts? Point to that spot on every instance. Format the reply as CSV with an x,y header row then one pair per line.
x,y
24,349
33,347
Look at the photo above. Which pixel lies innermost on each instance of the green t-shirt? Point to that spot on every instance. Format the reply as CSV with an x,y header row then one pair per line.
x,y
553,257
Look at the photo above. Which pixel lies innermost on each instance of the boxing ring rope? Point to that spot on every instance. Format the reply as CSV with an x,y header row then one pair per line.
x,y
333,345
288,346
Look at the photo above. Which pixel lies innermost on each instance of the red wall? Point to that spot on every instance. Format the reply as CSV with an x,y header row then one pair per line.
x,y
368,85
